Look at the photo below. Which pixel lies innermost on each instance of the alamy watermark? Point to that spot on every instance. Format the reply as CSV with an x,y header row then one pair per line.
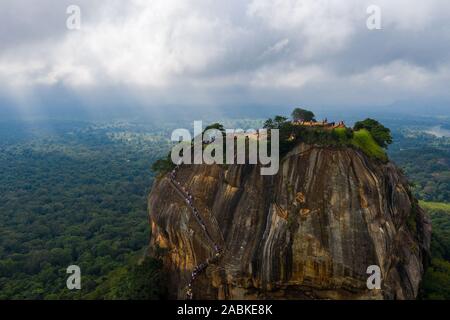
x,y
74,280
208,147
374,280
73,21
373,21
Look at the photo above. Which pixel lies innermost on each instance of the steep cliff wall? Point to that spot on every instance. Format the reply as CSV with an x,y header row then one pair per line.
x,y
309,232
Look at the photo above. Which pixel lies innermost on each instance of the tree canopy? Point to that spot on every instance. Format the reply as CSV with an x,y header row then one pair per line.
x,y
276,123
300,114
380,133
216,126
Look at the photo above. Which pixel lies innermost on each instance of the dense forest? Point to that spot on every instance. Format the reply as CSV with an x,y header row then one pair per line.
x,y
436,283
426,161
74,192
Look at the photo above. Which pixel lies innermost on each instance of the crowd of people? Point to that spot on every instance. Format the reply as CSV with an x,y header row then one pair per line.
x,y
189,199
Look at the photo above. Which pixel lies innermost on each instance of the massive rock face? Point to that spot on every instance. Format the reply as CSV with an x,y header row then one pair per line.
x,y
309,232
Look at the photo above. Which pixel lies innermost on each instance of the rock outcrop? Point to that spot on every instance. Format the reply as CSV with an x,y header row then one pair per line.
x,y
309,232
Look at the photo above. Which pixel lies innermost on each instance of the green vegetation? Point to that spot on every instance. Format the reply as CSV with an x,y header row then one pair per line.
x,y
163,166
380,133
73,195
425,159
278,122
300,114
216,126
435,206
342,134
363,140
291,134
137,281
436,283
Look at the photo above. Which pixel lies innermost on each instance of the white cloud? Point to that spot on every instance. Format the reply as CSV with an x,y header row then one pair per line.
x,y
166,44
319,25
287,76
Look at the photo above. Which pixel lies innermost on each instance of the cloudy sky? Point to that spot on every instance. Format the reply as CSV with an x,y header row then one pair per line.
x,y
218,53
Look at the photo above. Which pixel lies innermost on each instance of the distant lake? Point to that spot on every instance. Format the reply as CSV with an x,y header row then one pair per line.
x,y
439,132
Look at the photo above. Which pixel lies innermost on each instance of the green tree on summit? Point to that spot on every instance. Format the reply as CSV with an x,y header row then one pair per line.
x,y
300,114
276,123
380,133
216,126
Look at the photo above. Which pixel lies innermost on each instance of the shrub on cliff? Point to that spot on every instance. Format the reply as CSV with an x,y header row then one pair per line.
x,y
363,140
163,166
380,133
342,135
